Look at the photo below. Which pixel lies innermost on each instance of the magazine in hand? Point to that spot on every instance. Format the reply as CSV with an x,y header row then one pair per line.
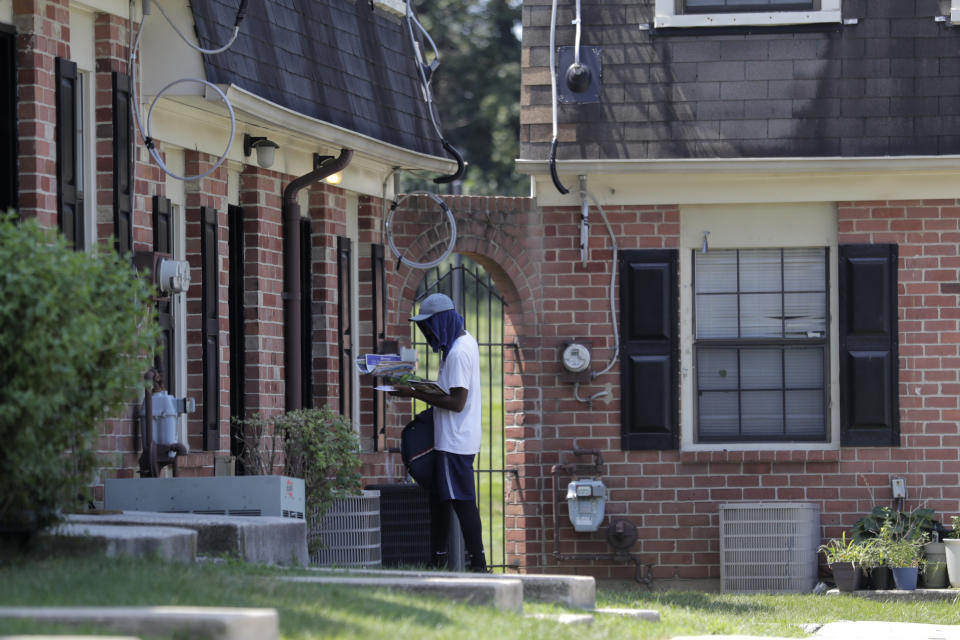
x,y
383,364
428,386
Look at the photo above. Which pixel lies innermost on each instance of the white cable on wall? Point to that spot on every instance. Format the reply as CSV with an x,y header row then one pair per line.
x,y
613,308
145,131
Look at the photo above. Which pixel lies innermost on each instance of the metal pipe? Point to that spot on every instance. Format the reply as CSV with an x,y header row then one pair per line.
x,y
291,275
596,557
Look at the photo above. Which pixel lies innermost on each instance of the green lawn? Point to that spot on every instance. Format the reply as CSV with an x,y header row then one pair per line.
x,y
313,611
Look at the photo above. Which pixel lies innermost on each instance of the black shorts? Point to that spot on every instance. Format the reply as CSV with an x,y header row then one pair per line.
x,y
453,476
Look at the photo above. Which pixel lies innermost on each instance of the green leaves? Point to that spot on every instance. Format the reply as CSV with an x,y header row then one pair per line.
x,y
77,332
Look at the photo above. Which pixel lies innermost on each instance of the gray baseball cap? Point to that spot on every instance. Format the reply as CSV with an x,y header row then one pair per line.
x,y
432,304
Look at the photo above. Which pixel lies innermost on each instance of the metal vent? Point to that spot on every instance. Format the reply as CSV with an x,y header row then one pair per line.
x,y
769,547
348,534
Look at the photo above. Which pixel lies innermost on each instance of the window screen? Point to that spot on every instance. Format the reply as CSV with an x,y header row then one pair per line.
x,y
761,344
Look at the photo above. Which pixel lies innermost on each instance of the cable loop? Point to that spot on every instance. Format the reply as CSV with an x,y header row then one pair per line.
x,y
450,219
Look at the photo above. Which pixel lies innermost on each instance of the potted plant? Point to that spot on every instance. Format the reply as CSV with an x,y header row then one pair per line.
x,y
905,555
934,564
952,548
875,564
845,557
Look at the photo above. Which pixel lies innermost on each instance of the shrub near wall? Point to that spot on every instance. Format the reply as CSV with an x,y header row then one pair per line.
x,y
77,333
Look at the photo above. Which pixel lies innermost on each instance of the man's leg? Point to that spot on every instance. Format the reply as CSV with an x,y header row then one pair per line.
x,y
439,530
470,524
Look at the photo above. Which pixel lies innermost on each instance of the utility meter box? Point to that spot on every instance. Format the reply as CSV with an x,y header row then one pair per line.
x,y
586,501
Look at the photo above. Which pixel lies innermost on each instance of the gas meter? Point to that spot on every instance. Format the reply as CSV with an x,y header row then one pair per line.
x,y
586,501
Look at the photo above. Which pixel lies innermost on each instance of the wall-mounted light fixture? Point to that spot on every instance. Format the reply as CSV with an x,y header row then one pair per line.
x,y
333,178
265,149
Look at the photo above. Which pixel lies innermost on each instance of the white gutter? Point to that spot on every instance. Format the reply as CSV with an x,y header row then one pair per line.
x,y
278,117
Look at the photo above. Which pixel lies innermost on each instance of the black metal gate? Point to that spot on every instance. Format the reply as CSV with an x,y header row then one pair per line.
x,y
472,290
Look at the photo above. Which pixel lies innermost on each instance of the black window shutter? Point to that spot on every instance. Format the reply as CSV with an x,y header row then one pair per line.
x,y
211,330
378,281
163,243
238,357
869,399
69,205
122,167
344,315
8,118
306,313
649,299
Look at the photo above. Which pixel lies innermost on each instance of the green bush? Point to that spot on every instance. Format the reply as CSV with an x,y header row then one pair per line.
x,y
77,333
318,445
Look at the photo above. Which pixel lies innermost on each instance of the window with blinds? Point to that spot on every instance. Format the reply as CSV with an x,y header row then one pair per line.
x,y
761,344
719,6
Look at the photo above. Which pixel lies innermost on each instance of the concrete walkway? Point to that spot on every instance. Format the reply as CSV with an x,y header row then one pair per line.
x,y
862,630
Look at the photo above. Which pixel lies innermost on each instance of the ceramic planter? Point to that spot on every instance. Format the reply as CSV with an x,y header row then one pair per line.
x,y
847,576
905,577
953,561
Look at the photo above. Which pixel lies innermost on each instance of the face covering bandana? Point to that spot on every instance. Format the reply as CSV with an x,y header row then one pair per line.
x,y
445,328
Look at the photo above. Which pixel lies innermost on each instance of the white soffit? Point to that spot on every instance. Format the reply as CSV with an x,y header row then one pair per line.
x,y
716,181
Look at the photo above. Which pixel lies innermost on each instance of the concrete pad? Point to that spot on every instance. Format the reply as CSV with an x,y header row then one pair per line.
x,y
563,618
579,592
267,540
170,543
505,594
887,631
640,614
207,623
948,595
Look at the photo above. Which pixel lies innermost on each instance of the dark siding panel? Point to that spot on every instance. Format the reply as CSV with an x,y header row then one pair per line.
x,y
869,402
211,337
649,299
69,205
8,118
122,168
344,315
378,279
163,243
238,354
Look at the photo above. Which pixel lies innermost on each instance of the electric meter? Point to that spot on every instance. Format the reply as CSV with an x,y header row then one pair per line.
x,y
575,357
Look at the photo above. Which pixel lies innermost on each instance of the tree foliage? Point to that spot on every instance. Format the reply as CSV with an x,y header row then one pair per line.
x,y
477,88
77,333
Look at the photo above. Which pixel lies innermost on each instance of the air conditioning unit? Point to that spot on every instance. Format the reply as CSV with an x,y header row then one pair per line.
x,y
278,496
348,534
769,547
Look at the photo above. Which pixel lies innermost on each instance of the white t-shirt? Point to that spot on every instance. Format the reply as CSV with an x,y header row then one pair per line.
x,y
459,432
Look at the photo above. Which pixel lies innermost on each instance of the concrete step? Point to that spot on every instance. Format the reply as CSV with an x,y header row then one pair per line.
x,y
563,618
268,540
578,592
170,543
505,594
209,623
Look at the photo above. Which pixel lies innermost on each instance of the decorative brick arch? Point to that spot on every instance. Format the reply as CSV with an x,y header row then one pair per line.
x,y
504,236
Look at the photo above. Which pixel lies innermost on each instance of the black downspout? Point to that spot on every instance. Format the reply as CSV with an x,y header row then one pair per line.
x,y
291,274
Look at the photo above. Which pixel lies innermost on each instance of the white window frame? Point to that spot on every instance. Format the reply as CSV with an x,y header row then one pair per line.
x,y
667,15
955,11
82,52
747,226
